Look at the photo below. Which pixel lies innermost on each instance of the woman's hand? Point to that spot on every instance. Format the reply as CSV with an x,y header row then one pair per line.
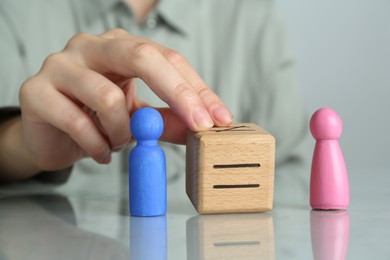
x,y
80,101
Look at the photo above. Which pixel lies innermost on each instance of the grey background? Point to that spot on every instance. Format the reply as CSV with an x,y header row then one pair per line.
x,y
343,56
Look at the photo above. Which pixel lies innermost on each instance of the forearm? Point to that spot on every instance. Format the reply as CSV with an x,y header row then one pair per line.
x,y
15,161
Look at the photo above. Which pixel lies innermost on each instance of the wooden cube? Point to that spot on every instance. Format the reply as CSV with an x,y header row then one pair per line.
x,y
230,169
231,236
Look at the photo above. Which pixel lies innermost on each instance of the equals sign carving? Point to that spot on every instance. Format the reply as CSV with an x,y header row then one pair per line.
x,y
236,186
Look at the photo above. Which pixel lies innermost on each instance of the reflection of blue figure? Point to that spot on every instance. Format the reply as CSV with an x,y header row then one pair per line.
x,y
147,177
148,238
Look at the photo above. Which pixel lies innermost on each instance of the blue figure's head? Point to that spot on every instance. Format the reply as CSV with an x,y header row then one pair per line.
x,y
146,124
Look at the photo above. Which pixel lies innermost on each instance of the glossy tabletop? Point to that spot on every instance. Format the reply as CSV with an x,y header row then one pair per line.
x,y
40,223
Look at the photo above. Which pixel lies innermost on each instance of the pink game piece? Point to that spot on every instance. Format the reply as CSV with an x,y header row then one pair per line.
x,y
329,188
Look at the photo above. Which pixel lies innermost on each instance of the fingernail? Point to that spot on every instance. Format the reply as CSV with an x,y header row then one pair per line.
x,y
221,114
107,158
118,148
202,118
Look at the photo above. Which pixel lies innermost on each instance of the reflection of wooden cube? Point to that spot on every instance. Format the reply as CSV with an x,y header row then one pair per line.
x,y
231,169
233,236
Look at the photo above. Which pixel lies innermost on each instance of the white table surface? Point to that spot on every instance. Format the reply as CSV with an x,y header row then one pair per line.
x,y
36,223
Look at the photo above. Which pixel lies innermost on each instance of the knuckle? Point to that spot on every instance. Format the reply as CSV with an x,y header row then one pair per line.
x,y
174,57
117,32
143,50
76,124
205,92
110,97
25,90
28,89
183,90
54,60
78,40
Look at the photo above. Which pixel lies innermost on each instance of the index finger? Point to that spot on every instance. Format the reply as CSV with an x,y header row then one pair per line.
x,y
133,57
214,105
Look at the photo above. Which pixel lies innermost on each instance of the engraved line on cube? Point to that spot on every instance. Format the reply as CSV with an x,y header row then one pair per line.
x,y
237,243
234,128
240,165
236,186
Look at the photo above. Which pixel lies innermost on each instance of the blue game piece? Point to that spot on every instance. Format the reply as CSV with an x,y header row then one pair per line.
x,y
147,166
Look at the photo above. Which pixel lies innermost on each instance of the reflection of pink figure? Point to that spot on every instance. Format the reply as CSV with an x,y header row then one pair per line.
x,y
329,234
329,188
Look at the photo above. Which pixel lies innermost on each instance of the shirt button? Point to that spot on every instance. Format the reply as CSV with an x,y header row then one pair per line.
x,y
151,23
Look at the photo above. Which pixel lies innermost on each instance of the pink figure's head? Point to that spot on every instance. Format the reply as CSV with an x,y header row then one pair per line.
x,y
326,124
